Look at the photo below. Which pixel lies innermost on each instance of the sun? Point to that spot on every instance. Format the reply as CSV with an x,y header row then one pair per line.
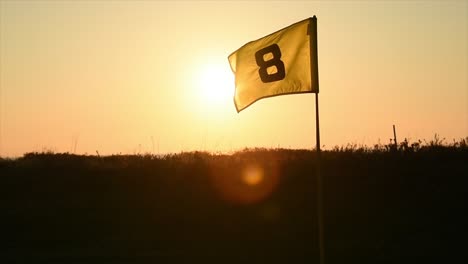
x,y
216,85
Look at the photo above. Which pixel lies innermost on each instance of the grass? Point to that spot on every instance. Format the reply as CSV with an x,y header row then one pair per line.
x,y
383,204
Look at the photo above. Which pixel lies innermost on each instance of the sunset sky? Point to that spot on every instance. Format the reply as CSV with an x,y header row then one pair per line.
x,y
153,76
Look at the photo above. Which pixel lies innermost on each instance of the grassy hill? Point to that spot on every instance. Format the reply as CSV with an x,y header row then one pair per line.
x,y
382,205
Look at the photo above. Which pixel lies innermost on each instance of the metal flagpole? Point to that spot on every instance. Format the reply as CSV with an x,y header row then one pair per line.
x,y
315,84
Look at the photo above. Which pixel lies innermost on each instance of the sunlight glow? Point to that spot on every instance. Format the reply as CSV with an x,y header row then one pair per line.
x,y
216,84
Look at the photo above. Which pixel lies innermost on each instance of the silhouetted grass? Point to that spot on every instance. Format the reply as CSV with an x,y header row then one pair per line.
x,y
383,204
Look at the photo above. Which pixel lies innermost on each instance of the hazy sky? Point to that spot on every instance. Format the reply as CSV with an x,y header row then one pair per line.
x,y
153,76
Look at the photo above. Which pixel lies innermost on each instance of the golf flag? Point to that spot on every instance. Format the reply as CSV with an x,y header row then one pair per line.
x,y
284,62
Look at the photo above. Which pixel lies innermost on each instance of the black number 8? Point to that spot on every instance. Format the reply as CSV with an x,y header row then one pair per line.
x,y
275,61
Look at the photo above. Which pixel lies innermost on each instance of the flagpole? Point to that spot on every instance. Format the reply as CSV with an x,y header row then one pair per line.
x,y
317,125
319,187
315,88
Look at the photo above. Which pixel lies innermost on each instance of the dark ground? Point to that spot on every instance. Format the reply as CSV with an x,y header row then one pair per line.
x,y
404,206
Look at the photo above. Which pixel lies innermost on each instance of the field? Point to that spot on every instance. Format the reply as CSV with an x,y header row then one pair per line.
x,y
381,205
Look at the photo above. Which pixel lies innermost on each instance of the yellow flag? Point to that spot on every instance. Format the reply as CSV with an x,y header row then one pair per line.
x,y
284,62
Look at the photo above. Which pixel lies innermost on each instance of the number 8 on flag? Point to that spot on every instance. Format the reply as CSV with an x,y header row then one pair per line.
x,y
284,62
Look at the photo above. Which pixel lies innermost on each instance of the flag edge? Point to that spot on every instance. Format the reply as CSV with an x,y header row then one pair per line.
x,y
293,24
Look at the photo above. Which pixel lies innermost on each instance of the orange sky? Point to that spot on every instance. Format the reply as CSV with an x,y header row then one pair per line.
x,y
153,76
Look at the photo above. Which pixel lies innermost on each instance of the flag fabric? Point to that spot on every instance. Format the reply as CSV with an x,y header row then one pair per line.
x,y
284,62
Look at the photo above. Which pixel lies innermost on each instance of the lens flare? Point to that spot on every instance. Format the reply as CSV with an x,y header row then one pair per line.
x,y
252,175
245,183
